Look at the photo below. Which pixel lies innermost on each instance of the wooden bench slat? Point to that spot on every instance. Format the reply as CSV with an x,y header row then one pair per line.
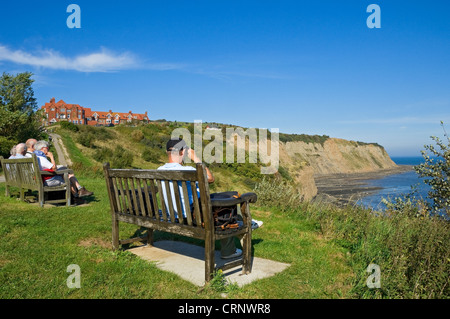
x,y
150,212
161,200
187,206
176,189
117,197
153,191
123,196
144,208
197,214
133,191
169,200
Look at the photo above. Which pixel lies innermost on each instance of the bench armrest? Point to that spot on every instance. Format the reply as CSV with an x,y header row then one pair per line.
x,y
63,171
59,172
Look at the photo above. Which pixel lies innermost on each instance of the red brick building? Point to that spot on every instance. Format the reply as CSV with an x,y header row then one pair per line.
x,y
62,111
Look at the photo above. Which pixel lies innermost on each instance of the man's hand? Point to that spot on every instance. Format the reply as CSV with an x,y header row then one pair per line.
x,y
52,159
191,154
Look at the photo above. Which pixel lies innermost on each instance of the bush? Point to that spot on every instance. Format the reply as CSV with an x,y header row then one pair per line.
x,y
118,158
87,140
151,155
413,253
277,193
69,126
103,155
121,158
137,135
436,171
6,145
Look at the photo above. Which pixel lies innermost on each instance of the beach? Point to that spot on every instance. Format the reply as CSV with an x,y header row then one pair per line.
x,y
343,189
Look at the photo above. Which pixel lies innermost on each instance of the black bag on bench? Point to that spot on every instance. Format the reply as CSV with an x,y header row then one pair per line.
x,y
224,206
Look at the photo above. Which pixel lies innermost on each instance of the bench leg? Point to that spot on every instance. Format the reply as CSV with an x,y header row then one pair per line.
x,y
41,198
209,256
115,234
68,196
247,243
149,237
247,253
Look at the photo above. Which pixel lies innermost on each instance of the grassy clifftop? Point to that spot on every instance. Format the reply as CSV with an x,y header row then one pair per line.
x,y
143,147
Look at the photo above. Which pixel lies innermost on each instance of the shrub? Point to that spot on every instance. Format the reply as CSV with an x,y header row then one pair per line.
x,y
87,140
118,158
151,155
436,171
6,145
412,252
137,135
277,193
69,126
103,155
121,158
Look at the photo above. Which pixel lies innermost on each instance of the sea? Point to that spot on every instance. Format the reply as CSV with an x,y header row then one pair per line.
x,y
397,185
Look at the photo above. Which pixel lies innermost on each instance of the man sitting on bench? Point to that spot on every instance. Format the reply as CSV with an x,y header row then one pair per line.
x,y
177,151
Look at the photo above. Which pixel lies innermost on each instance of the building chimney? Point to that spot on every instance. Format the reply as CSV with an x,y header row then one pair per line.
x,y
52,100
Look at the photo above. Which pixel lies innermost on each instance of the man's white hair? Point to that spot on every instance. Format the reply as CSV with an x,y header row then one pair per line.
x,y
40,145
21,148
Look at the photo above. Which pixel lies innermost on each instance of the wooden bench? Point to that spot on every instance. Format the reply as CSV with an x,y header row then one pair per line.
x,y
24,174
136,197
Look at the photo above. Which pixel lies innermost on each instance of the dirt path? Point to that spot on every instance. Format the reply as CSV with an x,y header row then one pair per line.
x,y
63,156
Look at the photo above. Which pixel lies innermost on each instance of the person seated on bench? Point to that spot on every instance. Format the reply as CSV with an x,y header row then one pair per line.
x,y
19,151
177,150
41,151
30,146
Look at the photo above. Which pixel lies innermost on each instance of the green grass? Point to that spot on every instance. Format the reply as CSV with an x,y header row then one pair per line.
x,y
38,244
329,249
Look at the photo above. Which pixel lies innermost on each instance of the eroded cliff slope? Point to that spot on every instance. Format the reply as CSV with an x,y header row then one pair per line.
x,y
305,160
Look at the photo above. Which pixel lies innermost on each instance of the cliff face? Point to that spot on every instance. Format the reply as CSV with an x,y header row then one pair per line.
x,y
306,160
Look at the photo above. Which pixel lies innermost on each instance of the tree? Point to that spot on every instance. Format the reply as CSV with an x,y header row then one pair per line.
x,y
436,170
19,115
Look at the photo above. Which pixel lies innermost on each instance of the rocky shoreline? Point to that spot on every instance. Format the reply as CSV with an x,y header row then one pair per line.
x,y
342,189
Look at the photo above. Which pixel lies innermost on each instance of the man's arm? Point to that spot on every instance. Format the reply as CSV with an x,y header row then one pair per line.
x,y
52,160
196,160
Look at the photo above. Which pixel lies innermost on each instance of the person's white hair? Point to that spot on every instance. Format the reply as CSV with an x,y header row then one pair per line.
x,y
40,145
21,148
13,151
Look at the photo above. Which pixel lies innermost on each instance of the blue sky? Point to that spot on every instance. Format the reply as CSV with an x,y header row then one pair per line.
x,y
310,67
